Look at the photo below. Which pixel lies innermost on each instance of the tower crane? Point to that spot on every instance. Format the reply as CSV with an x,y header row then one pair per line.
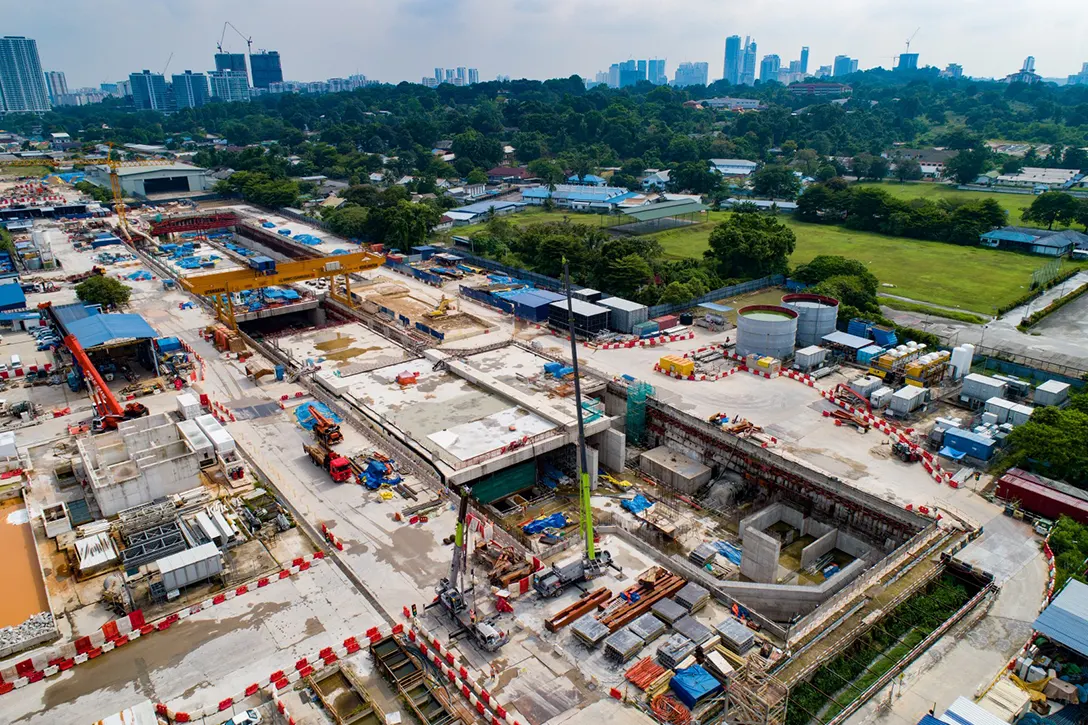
x,y
223,35
912,37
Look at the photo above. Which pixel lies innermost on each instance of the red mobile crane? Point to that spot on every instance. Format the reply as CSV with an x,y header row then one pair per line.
x,y
110,413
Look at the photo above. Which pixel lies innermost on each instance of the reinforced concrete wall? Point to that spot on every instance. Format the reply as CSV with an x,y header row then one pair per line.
x,y
818,548
760,560
853,546
783,602
613,447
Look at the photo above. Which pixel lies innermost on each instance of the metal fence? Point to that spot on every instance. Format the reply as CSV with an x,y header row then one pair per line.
x,y
540,280
737,289
290,214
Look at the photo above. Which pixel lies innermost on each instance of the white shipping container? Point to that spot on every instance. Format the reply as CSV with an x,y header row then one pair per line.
x,y
908,399
208,423
1052,392
982,387
810,358
188,406
881,396
190,566
199,442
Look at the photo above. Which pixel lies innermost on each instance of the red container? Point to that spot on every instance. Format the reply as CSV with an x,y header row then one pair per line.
x,y
1037,497
666,321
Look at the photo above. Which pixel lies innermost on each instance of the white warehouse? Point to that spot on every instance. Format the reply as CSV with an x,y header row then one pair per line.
x,y
144,181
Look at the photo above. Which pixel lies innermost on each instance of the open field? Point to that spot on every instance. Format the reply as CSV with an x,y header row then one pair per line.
x,y
1014,204
924,271
532,216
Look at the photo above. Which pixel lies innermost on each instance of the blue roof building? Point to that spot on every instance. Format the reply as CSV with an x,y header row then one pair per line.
x,y
1065,620
12,297
117,328
587,180
582,198
1052,243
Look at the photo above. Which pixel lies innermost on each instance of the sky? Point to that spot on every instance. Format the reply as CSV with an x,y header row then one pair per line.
x,y
395,40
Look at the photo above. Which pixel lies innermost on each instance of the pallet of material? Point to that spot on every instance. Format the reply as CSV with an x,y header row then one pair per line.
x,y
736,636
703,554
589,630
654,584
587,603
668,611
674,650
622,645
719,666
643,673
694,630
648,627
660,685
693,597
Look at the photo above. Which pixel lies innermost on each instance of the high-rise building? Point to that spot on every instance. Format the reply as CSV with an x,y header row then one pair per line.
x,y
804,59
55,84
952,70
631,73
449,76
1026,74
853,65
109,88
148,90
231,61
907,61
439,75
655,71
1078,79
691,74
734,60
229,85
843,65
266,68
124,88
473,76
462,74
769,67
190,89
748,72
823,71
640,66
429,81
22,83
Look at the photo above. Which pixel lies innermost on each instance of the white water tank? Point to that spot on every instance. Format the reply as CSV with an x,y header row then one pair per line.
x,y
962,356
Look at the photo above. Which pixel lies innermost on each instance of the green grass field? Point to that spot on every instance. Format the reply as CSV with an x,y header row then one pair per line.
x,y
968,278
1014,204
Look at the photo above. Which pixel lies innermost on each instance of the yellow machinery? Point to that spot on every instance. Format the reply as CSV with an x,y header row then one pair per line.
x,y
443,308
115,180
220,286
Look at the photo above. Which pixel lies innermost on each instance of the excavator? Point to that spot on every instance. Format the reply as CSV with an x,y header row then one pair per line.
x,y
552,582
326,431
109,412
442,309
451,591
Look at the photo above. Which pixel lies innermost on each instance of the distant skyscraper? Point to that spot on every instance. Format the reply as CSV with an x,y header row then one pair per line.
x,y
655,71
823,71
768,69
691,74
462,74
631,73
148,90
853,65
229,85
907,61
748,73
449,76
804,59
231,61
1029,64
439,75
190,89
955,70
473,76
22,83
842,66
55,84
640,66
734,60
266,68
1078,79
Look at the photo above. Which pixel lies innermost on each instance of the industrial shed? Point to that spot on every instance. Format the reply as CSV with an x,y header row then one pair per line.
x,y
143,181
589,319
1065,620
12,298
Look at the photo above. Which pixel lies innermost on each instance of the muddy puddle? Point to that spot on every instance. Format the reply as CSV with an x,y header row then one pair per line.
x,y
24,590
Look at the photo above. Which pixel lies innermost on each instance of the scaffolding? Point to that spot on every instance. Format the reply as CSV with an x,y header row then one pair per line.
x,y
637,392
756,697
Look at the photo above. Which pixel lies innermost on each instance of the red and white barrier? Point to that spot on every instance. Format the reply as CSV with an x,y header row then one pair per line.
x,y
119,632
648,342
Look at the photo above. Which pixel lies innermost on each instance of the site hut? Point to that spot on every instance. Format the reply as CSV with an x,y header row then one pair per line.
x,y
589,319
154,181
624,314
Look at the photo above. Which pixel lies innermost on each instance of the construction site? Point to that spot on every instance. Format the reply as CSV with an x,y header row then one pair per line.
x,y
334,483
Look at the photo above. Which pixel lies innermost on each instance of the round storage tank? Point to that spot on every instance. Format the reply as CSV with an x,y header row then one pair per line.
x,y
766,330
816,316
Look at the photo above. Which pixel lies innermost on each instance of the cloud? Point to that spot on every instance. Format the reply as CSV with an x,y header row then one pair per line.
x,y
395,40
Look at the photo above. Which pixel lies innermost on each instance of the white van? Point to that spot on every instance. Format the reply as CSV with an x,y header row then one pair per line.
x,y
16,362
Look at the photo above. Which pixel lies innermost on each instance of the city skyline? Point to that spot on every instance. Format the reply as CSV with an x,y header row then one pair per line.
x,y
419,34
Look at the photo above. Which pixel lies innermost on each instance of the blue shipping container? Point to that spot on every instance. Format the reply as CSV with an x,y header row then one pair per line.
x,y
883,336
971,443
866,354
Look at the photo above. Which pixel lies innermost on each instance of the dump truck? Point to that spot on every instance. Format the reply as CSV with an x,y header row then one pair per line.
x,y
338,467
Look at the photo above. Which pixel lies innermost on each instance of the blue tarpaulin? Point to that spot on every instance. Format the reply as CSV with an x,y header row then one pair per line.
x,y
692,684
729,551
555,521
637,505
306,419
952,453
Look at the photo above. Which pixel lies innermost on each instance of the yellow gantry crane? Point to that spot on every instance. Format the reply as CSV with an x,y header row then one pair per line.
x,y
264,272
109,162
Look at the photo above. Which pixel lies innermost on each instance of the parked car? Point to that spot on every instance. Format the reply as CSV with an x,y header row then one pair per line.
x,y
249,717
